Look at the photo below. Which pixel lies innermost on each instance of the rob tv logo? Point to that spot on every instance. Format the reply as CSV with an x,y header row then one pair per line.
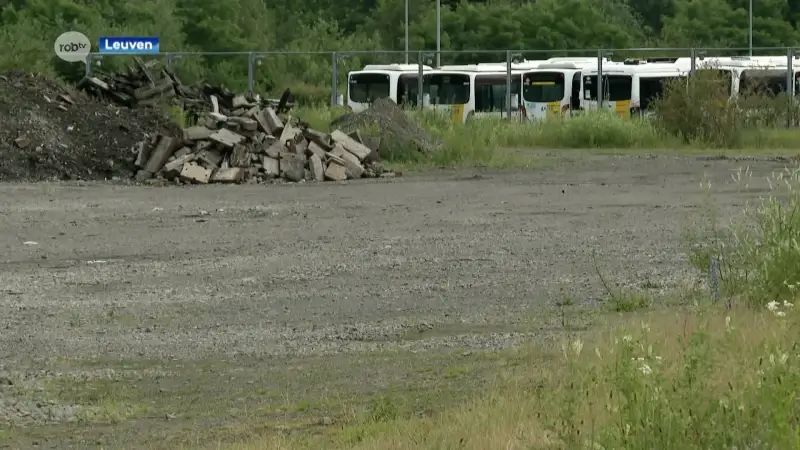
x,y
73,46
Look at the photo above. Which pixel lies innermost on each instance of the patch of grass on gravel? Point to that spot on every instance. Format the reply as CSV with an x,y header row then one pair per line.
x,y
224,401
696,378
719,372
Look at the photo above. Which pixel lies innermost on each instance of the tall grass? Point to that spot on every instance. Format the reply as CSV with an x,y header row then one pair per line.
x,y
758,255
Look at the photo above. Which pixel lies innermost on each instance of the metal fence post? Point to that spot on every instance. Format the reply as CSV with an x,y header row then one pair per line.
x,y
334,78
600,94
790,87
508,84
251,62
89,60
171,58
420,81
693,64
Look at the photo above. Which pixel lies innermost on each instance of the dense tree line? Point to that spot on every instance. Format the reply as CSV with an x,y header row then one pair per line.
x,y
29,28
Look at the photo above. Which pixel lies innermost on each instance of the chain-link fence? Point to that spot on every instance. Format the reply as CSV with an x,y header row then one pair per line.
x,y
498,76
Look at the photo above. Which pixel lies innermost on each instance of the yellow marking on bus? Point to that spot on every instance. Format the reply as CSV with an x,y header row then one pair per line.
x,y
623,108
553,109
543,83
457,113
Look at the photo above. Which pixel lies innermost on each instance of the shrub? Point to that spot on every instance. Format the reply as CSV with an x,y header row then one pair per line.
x,y
701,112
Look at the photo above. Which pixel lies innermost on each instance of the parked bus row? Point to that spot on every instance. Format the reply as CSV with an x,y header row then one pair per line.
x,y
557,87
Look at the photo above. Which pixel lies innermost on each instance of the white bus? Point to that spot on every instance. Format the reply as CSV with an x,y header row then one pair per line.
x,y
554,88
630,88
475,90
396,81
743,72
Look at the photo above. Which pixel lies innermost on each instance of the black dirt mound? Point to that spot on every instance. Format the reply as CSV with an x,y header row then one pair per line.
x,y
48,133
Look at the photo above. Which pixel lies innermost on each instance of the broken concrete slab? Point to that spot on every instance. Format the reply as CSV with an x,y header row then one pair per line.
x,y
271,166
360,150
226,138
290,133
245,122
354,167
274,122
195,173
196,133
229,175
336,172
161,153
210,157
293,168
176,164
317,167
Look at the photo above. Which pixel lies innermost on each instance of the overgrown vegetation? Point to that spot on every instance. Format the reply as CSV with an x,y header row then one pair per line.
x,y
700,112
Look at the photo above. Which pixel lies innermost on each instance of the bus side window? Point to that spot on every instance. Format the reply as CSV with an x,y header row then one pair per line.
x,y
575,96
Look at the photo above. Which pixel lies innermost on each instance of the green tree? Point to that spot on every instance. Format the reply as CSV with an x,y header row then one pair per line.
x,y
541,28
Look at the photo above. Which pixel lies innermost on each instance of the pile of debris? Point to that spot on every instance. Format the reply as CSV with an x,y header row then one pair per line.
x,y
254,144
49,132
238,137
149,83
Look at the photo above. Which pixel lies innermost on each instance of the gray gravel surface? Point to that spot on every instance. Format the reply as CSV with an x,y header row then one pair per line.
x,y
457,260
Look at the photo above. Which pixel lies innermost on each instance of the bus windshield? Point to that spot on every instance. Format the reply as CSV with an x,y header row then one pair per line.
x,y
543,87
368,87
771,82
448,89
407,89
617,87
490,92
651,88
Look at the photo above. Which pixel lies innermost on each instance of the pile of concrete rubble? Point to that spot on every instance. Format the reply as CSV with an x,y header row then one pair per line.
x,y
254,144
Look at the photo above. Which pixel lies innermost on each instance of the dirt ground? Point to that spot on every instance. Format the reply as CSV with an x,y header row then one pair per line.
x,y
137,317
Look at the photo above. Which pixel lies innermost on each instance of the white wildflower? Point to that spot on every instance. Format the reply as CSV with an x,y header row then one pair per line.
x,y
783,358
787,304
627,338
597,352
645,369
780,313
577,346
773,306
728,327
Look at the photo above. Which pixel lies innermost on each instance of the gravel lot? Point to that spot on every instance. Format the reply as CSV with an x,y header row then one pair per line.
x,y
135,316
